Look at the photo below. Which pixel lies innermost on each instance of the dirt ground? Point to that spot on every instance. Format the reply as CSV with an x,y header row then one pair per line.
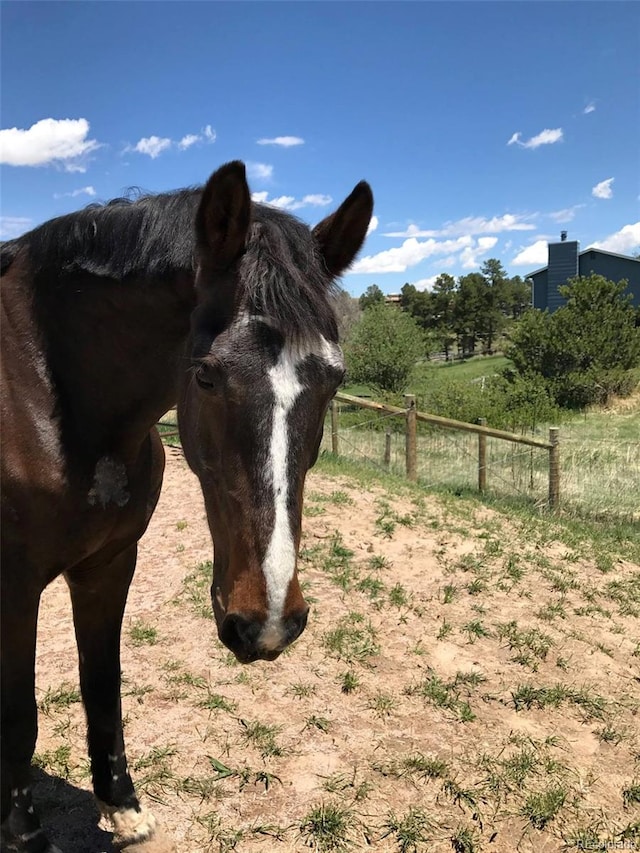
x,y
411,714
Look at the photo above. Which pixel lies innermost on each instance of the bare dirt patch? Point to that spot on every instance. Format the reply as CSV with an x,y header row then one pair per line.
x,y
466,682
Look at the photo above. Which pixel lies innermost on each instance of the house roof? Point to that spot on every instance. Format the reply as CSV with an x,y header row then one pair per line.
x,y
587,250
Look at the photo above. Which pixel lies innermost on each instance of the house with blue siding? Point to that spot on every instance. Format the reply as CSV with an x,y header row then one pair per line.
x,y
566,261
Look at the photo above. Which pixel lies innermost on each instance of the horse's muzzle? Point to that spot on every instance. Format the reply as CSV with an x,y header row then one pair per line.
x,y
245,637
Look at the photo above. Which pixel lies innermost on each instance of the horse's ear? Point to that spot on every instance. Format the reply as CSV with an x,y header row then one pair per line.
x,y
224,214
341,235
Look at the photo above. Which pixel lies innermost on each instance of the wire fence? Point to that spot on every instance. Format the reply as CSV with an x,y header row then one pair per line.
x,y
594,476
444,457
597,476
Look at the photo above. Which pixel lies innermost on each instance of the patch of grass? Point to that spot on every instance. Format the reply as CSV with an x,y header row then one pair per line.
x,y
541,808
262,737
551,611
475,629
626,593
377,562
409,830
609,734
352,640
181,525
216,702
196,589
464,840
337,563
444,630
55,761
157,766
445,695
414,766
526,643
528,696
302,690
338,783
449,592
143,635
323,724
59,697
382,704
349,681
631,794
327,827
372,587
398,596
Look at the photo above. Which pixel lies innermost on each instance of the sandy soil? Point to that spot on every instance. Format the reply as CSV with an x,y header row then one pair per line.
x,y
352,750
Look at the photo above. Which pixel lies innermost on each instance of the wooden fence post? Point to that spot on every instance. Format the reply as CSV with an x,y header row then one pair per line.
x,y
334,426
387,447
411,437
554,467
482,457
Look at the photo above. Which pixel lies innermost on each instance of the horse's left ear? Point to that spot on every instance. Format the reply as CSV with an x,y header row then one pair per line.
x,y
341,235
224,214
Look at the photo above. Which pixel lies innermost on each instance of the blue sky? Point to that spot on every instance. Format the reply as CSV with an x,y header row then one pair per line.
x,y
484,128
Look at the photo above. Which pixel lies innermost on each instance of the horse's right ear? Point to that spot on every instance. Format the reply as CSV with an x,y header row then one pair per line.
x,y
224,214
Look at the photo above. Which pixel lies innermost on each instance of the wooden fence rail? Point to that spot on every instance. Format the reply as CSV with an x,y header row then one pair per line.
x,y
412,416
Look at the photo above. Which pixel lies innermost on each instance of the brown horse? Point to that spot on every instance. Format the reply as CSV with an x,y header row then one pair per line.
x,y
109,316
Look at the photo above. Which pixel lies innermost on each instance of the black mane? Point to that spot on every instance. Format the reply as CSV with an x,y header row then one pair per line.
x,y
152,236
282,275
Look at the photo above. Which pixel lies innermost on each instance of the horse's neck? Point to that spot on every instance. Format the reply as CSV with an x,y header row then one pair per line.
x,y
114,352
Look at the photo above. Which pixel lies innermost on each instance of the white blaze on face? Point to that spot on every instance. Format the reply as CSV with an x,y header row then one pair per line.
x,y
280,560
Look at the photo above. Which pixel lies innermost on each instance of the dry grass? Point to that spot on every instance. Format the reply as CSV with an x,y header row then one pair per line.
x,y
467,682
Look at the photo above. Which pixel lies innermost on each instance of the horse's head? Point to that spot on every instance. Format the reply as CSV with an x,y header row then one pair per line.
x,y
265,365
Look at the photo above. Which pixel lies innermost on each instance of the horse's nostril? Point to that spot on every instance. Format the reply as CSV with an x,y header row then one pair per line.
x,y
294,626
241,635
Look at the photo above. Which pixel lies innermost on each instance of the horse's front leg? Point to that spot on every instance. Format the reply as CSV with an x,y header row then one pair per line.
x,y
21,830
99,595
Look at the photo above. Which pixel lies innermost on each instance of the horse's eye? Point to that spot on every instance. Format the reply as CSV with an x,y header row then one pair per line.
x,y
209,378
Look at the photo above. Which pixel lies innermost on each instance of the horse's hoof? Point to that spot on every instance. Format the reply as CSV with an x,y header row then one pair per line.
x,y
159,842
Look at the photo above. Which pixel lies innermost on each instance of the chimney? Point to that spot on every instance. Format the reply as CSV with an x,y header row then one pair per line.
x,y
563,236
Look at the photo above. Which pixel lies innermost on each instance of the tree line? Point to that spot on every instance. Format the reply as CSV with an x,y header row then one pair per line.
x,y
583,353
469,313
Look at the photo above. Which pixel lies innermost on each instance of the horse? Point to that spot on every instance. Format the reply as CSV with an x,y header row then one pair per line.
x,y
110,316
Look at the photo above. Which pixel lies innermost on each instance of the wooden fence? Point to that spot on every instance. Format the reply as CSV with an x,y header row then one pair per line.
x,y
411,416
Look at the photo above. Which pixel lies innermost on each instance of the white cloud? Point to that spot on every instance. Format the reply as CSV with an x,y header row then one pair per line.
x,y
470,257
50,140
469,225
90,191
545,137
373,224
289,202
603,189
567,214
315,200
152,145
282,141
535,255
626,240
426,283
188,140
410,253
259,171
13,226
590,108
